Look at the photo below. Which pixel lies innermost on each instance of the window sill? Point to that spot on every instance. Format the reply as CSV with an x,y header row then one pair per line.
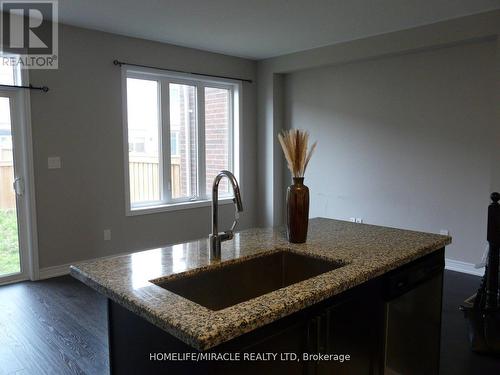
x,y
135,211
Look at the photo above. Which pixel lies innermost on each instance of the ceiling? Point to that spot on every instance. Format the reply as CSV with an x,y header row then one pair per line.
x,y
260,29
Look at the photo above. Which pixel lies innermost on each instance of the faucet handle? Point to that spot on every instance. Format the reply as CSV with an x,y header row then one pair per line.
x,y
235,223
226,235
236,215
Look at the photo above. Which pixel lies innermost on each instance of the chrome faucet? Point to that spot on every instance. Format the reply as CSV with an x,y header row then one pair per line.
x,y
216,238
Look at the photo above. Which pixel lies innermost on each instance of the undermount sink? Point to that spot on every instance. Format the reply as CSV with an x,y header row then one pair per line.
x,y
241,281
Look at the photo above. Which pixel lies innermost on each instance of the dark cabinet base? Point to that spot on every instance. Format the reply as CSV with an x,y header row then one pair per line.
x,y
138,347
353,323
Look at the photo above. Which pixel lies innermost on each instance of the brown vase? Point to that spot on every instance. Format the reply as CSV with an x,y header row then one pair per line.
x,y
297,211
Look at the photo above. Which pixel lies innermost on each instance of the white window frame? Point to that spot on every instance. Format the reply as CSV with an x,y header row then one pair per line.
x,y
164,78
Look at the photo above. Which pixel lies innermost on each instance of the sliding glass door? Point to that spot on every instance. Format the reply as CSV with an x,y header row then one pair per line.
x,y
10,259
14,179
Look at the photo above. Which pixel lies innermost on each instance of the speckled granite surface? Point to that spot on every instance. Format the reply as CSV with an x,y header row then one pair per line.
x,y
368,250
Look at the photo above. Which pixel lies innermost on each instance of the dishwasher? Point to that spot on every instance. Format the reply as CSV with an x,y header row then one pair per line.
x,y
413,317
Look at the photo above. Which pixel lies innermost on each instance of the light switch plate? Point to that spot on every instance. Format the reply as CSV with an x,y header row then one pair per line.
x,y
107,234
54,162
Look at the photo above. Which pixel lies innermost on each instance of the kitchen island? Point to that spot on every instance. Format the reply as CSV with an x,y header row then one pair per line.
x,y
341,310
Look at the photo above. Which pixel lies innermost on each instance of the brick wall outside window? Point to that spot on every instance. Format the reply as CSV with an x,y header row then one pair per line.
x,y
216,135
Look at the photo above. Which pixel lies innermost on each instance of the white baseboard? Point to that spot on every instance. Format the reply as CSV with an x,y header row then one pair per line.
x,y
55,271
63,269
464,267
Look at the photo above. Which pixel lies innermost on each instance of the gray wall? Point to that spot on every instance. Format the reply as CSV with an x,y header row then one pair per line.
x,y
404,141
80,119
483,26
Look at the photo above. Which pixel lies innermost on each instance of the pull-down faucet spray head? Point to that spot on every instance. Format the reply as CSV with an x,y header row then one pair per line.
x,y
216,238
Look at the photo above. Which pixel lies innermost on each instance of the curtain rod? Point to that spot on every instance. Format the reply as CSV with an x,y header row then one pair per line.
x,y
120,63
30,87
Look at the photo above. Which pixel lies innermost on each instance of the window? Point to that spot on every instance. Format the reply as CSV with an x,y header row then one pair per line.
x,y
138,145
174,143
9,75
180,132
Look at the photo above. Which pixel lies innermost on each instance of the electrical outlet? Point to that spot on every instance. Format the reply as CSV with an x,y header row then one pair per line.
x,y
107,234
358,220
54,162
444,232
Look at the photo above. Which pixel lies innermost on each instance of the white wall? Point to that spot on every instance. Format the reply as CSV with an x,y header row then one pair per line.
x,y
80,119
404,141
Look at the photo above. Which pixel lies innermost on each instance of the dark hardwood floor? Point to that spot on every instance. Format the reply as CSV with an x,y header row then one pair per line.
x,y
58,326
456,357
55,326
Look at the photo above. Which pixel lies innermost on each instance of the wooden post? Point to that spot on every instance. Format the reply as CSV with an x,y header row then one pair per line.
x,y
493,237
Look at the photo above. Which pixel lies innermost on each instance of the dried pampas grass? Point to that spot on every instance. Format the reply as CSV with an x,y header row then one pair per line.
x,y
294,144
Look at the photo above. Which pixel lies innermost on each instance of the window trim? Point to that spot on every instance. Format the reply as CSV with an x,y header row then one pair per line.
x,y
166,203
153,209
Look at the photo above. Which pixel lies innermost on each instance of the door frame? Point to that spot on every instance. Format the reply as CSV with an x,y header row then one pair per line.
x,y
26,207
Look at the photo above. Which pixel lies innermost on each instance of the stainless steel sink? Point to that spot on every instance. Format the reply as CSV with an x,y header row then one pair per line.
x,y
237,282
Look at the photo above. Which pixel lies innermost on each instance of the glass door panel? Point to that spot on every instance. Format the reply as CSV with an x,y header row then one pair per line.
x,y
10,262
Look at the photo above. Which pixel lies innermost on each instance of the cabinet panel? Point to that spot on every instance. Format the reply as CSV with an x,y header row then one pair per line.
x,y
288,340
413,330
350,328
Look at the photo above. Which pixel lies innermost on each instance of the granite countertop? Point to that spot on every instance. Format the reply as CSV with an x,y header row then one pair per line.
x,y
367,250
